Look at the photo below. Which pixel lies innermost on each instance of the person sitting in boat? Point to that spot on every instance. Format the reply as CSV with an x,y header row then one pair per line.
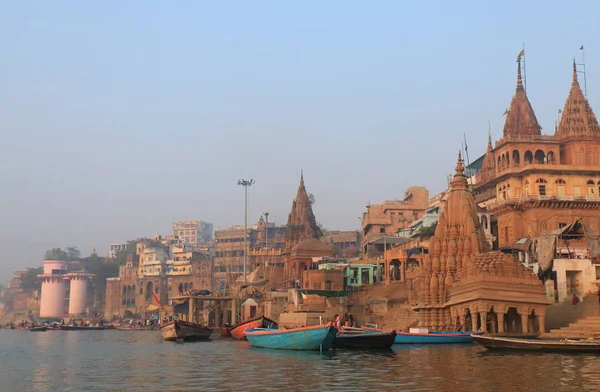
x,y
337,322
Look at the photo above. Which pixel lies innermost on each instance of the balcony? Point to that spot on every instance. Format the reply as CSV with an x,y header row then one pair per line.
x,y
532,198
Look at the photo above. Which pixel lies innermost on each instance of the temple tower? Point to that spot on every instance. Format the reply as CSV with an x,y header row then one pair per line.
x,y
520,117
302,223
578,119
54,288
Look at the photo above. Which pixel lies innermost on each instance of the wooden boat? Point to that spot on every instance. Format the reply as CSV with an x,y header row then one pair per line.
x,y
239,331
352,339
304,338
539,345
38,329
184,330
127,327
423,336
83,328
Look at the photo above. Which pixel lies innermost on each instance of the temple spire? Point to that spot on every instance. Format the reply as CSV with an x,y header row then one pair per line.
x,y
519,78
302,223
520,117
578,119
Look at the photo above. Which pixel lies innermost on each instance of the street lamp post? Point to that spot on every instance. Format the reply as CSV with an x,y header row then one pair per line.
x,y
245,184
267,237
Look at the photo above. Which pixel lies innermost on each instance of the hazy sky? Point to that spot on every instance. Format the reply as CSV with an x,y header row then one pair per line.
x,y
118,118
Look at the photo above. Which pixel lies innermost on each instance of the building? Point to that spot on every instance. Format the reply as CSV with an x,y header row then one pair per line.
x,y
157,272
390,217
265,243
529,185
114,249
193,232
343,243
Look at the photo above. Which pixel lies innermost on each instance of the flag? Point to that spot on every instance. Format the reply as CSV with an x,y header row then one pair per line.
x,y
505,112
560,110
156,298
581,47
521,53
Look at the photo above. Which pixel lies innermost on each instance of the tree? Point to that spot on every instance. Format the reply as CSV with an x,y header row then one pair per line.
x,y
73,253
56,254
30,281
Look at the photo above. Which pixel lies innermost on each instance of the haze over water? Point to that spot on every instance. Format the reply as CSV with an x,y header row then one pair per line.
x,y
142,361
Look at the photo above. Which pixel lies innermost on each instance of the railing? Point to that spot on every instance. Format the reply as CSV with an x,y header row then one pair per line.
x,y
525,198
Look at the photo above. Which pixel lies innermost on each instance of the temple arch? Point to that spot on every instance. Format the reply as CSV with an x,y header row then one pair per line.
x,y
516,157
528,157
551,158
540,157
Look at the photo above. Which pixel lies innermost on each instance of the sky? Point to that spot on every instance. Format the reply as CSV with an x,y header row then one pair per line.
x,y
119,118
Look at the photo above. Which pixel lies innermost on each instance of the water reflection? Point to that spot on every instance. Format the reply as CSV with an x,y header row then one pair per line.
x,y
142,361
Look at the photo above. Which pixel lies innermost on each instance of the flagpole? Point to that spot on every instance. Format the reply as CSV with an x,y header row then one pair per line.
x,y
524,69
584,72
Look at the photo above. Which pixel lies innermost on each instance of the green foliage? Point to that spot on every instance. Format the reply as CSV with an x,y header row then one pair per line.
x,y
101,268
427,231
29,280
121,257
70,254
56,254
320,230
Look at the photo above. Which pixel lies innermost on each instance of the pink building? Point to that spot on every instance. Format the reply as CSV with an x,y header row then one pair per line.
x,y
54,290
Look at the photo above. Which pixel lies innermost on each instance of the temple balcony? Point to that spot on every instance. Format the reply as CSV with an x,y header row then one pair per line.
x,y
534,198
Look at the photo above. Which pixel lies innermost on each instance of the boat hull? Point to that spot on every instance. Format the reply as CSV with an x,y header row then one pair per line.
x,y
537,345
78,328
429,338
38,329
433,338
365,340
239,331
307,338
186,331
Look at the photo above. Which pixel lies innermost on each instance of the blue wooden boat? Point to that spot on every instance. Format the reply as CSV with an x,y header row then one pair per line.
x,y
305,338
426,337
435,337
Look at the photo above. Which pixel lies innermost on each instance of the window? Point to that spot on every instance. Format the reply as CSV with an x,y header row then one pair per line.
x,y
382,230
542,190
506,235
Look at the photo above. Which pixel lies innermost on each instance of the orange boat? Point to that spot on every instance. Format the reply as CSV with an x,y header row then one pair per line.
x,y
239,331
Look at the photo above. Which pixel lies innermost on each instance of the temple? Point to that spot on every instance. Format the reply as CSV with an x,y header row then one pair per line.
x,y
302,223
520,117
462,284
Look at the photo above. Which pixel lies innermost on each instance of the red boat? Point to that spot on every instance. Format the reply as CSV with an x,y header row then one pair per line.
x,y
239,331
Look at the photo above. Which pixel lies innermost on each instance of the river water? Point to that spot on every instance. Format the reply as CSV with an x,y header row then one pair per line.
x,y
141,361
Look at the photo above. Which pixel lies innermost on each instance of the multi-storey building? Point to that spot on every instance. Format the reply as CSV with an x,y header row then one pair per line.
x,y
114,249
535,185
388,218
194,232
265,242
343,241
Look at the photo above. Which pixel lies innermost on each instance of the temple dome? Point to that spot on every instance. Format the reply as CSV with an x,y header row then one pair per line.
x,y
313,245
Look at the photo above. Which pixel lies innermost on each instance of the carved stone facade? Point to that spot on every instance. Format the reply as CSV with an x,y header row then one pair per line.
x,y
302,223
533,184
461,284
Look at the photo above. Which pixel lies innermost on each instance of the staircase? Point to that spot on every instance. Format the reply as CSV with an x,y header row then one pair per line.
x,y
588,327
579,321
